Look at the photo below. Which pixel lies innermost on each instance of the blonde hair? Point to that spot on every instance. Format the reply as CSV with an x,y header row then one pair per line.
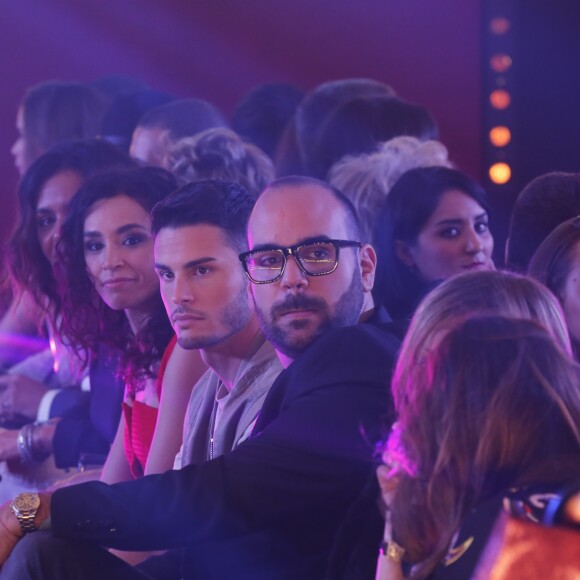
x,y
220,154
367,179
497,405
484,293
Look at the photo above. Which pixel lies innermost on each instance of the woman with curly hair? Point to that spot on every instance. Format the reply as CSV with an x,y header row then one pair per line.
x,y
111,296
37,389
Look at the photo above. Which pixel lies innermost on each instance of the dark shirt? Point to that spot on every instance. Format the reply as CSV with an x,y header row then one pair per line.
x,y
270,508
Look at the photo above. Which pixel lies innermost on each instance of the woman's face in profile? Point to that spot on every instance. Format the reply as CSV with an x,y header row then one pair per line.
x,y
53,200
20,148
455,239
118,248
571,295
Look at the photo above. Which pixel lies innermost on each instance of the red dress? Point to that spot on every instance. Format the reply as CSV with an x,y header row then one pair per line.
x,y
140,422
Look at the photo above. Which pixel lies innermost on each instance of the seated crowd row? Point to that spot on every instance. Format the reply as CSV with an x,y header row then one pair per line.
x,y
244,325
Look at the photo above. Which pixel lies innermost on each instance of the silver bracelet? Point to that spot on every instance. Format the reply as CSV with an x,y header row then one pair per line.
x,y
25,443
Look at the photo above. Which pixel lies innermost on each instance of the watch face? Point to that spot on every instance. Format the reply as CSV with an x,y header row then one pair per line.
x,y
26,502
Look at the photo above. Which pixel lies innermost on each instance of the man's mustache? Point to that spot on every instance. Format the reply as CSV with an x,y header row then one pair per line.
x,y
297,302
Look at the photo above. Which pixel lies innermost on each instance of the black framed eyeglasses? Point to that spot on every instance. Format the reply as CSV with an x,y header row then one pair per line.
x,y
315,258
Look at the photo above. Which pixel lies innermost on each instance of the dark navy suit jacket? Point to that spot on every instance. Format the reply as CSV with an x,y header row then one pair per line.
x,y
270,508
90,420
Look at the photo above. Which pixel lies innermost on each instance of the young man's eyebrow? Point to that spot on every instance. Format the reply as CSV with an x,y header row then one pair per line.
x,y
188,265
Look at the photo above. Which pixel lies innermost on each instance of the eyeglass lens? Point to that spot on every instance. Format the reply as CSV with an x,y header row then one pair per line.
x,y
315,259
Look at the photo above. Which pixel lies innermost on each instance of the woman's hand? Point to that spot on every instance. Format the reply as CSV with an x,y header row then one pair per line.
x,y
20,395
389,562
8,444
388,477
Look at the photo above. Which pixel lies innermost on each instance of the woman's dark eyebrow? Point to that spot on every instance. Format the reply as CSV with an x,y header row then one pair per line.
x,y
458,221
120,230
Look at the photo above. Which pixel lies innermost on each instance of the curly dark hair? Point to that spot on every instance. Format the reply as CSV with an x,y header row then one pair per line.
x,y
86,320
30,271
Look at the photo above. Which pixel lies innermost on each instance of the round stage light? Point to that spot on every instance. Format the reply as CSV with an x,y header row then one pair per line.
x,y
500,99
500,173
500,63
500,136
499,25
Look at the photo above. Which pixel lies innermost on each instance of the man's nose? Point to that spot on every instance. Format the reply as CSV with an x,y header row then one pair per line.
x,y
293,276
181,291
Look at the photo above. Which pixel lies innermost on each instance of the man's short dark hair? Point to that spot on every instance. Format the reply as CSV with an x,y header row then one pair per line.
x,y
352,221
184,118
263,114
319,103
214,202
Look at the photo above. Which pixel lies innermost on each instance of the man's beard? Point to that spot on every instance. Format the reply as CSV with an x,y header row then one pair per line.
x,y
233,317
345,313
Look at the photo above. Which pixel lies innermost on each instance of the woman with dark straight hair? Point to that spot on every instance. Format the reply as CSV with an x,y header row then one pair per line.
x,y
434,225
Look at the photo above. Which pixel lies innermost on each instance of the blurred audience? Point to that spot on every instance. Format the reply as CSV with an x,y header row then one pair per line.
x,y
359,125
220,154
367,179
544,203
52,112
263,114
112,86
556,264
320,102
162,126
125,111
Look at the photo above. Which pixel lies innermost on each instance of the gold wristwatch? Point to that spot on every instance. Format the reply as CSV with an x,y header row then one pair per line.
x,y
25,506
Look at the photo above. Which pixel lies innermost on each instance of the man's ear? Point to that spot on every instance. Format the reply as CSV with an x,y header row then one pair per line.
x,y
368,266
404,253
162,147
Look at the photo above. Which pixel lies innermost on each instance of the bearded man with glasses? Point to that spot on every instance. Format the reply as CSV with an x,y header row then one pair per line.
x,y
309,269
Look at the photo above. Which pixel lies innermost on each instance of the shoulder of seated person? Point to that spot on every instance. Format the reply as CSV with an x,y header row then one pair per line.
x,y
381,333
